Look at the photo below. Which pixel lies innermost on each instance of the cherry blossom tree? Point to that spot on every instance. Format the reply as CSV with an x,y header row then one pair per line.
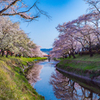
x,y
20,8
94,5
67,44
80,33
13,39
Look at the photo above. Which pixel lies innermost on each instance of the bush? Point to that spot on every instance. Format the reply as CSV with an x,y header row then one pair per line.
x,y
54,58
98,51
87,52
84,53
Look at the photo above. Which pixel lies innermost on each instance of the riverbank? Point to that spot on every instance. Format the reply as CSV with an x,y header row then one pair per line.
x,y
88,67
13,83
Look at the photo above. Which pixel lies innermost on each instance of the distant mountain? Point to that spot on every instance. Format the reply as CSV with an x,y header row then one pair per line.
x,y
46,50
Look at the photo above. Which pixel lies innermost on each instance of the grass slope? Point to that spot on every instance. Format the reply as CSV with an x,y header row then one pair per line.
x,y
83,65
13,84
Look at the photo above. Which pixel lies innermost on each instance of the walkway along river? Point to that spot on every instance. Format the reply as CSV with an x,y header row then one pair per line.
x,y
54,85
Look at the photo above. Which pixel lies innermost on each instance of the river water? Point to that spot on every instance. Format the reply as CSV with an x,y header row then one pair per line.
x,y
54,85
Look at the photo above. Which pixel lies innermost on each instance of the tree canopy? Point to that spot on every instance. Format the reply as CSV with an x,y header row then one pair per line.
x,y
15,40
81,34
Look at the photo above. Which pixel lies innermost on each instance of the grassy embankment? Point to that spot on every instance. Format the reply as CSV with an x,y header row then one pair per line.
x,y
13,84
82,65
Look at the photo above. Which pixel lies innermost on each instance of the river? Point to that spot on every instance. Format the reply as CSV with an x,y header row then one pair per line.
x,y
54,85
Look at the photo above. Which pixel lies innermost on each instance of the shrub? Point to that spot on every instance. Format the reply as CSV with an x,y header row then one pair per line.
x,y
87,52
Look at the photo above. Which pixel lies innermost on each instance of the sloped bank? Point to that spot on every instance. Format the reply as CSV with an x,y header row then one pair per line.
x,y
13,83
86,70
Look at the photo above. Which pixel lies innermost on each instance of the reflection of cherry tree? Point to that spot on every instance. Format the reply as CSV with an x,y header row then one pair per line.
x,y
34,73
66,89
63,86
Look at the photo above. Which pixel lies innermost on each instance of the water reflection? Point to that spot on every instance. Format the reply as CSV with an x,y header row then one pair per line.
x,y
54,85
34,74
66,89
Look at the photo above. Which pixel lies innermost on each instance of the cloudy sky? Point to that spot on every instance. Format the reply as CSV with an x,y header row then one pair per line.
x,y
43,31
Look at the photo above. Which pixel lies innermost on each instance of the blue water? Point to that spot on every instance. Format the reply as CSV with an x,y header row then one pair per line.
x,y
43,86
53,85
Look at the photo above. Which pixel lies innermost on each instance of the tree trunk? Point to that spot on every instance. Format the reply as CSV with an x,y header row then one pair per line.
x,y
19,55
63,56
15,55
11,54
90,51
2,51
73,55
69,55
7,53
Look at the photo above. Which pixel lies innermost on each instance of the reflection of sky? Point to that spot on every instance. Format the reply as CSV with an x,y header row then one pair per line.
x,y
79,89
43,86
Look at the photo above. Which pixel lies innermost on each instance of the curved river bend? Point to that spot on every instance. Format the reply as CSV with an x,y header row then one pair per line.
x,y
54,85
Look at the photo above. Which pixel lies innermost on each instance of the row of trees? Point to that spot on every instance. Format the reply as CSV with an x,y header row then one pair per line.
x,y
12,38
15,40
81,34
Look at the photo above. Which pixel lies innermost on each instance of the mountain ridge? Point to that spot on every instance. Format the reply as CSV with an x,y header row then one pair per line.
x,y
47,51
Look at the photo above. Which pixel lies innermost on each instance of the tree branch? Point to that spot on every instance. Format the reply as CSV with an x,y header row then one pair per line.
x,y
8,6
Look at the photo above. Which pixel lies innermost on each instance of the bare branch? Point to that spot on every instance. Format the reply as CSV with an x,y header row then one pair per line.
x,y
8,6
10,10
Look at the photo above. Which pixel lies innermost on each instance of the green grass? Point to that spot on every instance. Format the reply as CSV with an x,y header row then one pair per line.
x,y
82,65
13,84
95,58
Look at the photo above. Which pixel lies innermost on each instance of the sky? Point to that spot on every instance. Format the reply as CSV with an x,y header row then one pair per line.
x,y
43,31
